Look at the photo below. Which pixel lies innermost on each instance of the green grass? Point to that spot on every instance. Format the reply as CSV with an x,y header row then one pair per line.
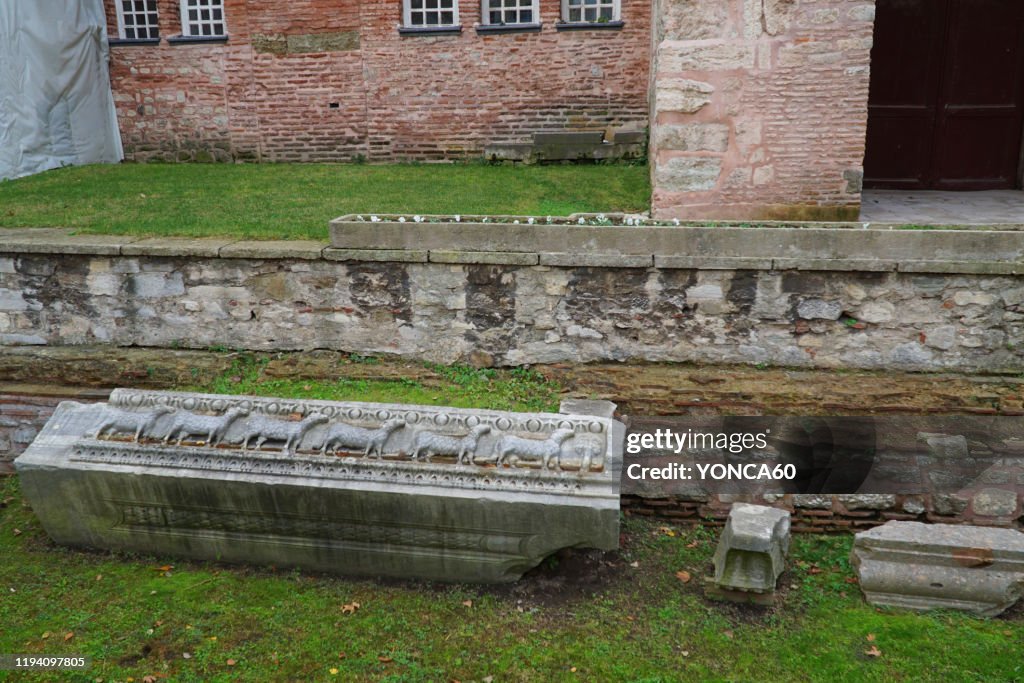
x,y
279,201
137,618
584,617
455,385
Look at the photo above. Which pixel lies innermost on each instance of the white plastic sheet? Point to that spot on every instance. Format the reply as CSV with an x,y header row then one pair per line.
x,y
56,107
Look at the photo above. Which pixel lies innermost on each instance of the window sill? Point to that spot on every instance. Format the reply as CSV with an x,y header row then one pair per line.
x,y
492,29
185,40
116,42
590,26
429,30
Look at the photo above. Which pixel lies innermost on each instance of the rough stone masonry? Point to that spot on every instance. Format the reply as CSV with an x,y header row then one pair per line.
x,y
513,315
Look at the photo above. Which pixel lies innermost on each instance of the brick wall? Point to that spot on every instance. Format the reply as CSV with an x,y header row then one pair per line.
x,y
267,93
760,108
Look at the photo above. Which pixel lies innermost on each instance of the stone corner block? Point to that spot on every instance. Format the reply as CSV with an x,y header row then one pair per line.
x,y
922,567
752,551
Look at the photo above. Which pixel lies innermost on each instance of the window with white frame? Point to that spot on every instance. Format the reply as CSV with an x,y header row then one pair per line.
x,y
498,12
590,11
203,18
429,13
137,19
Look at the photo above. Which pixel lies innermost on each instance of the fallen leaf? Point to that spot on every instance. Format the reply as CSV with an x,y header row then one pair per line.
x,y
634,565
873,652
334,672
341,655
69,635
186,655
815,570
573,670
165,568
668,531
727,634
350,608
683,576
467,603
693,544
851,579
46,635
149,679
213,637
685,653
99,577
870,637
17,532
385,660
231,662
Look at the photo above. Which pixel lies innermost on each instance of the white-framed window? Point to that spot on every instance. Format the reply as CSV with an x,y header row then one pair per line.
x,y
590,11
509,12
203,18
429,13
137,19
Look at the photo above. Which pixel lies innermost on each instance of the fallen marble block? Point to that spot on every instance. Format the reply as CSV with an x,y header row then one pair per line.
x,y
355,488
752,550
940,566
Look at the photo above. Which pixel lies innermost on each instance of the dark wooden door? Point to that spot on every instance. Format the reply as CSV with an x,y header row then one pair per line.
x,y
946,108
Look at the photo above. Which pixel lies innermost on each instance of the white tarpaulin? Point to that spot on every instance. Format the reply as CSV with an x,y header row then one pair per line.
x,y
56,107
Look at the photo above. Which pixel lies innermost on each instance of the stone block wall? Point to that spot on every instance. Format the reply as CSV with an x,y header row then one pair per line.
x,y
332,80
451,306
759,108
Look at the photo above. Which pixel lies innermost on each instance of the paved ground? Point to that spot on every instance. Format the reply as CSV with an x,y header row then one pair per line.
x,y
943,208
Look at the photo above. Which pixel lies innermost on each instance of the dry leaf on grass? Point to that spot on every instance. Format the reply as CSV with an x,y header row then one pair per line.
x,y
467,603
385,660
870,637
350,608
683,576
69,635
873,651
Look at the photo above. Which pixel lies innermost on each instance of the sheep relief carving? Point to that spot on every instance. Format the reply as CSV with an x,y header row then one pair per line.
x,y
458,439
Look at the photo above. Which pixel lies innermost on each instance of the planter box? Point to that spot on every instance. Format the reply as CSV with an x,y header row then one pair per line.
x,y
318,501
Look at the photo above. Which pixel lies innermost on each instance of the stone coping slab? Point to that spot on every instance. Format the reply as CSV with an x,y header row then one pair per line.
x,y
940,566
394,490
837,247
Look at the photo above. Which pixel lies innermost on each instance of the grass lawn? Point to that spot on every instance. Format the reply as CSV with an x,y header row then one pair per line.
x,y
622,616
279,201
581,616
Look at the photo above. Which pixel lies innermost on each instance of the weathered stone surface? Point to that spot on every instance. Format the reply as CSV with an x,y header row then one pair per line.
x,y
682,95
867,501
752,550
689,174
993,502
693,137
710,55
817,309
940,566
356,488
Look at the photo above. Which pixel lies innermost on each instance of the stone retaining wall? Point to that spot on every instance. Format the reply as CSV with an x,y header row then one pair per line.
x,y
515,308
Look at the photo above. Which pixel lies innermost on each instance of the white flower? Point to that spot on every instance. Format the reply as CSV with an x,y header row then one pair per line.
x,y
401,219
549,219
531,221
581,221
629,221
359,218
515,222
418,219
676,221
374,219
458,218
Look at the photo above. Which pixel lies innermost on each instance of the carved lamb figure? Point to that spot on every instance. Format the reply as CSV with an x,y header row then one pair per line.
x,y
545,451
214,427
370,440
263,428
463,448
116,420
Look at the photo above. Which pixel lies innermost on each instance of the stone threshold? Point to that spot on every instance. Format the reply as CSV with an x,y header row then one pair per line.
x,y
781,248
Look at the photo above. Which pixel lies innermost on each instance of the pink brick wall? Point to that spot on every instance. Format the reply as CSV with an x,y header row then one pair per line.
x,y
760,108
265,94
